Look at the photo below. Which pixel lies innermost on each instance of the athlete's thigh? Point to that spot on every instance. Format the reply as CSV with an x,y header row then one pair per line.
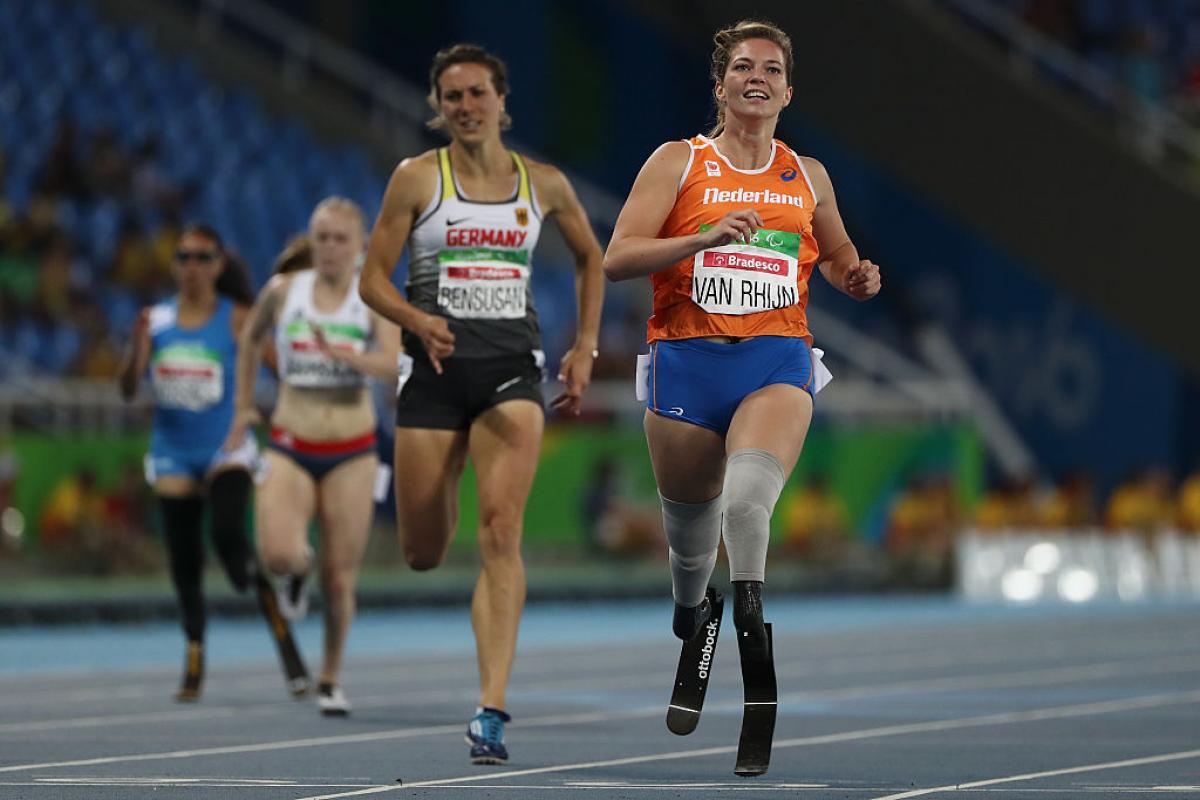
x,y
506,441
284,503
174,486
688,460
775,418
347,506
428,464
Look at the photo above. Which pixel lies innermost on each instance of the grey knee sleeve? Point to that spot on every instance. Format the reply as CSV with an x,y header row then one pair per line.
x,y
693,533
753,481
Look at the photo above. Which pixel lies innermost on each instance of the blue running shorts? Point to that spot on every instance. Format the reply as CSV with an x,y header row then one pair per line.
x,y
703,382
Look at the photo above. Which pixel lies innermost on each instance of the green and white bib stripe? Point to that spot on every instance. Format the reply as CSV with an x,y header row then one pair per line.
x,y
189,377
470,262
301,362
759,275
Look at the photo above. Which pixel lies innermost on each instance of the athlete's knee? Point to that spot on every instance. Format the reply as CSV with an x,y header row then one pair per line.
x,y
753,482
338,586
500,532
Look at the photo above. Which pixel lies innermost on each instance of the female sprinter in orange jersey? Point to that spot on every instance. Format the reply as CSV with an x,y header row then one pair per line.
x,y
728,226
470,215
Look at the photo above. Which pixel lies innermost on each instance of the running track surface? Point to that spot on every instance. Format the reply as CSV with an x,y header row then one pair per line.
x,y
880,698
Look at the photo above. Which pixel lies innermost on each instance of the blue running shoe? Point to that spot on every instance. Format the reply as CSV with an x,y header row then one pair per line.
x,y
485,734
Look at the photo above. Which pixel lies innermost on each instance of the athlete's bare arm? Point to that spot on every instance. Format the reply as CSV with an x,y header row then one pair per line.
x,y
408,191
133,365
839,261
380,361
635,249
255,330
558,200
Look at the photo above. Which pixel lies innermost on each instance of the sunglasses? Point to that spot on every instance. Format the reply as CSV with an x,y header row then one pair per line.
x,y
202,256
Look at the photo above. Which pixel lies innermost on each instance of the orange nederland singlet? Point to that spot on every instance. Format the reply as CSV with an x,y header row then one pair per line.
x,y
754,289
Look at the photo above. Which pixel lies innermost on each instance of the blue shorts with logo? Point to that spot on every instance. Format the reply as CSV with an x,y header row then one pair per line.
x,y
703,382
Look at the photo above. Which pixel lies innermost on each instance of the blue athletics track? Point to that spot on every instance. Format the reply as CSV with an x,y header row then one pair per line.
x,y
879,698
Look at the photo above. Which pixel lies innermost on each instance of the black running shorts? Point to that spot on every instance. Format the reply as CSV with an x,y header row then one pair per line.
x,y
466,388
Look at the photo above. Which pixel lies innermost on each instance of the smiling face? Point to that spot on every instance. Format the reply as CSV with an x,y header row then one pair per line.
x,y
755,84
469,103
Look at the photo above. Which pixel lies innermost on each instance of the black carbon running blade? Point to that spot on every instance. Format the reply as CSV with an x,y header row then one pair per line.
x,y
761,702
692,675
298,681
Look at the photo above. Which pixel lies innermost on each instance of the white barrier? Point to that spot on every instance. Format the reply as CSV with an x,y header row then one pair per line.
x,y
1078,566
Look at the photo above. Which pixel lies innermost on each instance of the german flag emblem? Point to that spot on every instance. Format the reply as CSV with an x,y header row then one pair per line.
x,y
522,216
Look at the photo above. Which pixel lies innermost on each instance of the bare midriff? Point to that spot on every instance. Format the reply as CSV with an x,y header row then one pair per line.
x,y
324,415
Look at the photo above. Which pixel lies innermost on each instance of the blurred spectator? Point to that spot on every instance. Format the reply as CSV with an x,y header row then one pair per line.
x,y
614,525
107,168
100,357
816,524
136,265
1012,504
86,529
128,506
75,505
1189,503
920,529
1143,503
151,189
54,278
61,174
1070,504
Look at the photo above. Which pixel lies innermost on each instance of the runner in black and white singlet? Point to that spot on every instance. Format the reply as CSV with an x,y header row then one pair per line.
x,y
471,214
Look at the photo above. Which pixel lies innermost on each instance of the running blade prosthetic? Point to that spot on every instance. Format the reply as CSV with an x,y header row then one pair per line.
x,y
759,706
296,674
695,666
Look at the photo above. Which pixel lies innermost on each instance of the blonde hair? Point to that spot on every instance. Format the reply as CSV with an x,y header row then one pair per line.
x,y
728,38
465,54
344,205
295,256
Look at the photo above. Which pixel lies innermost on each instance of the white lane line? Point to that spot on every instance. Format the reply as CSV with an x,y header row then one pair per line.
x,y
316,741
212,783
399,673
995,680
1005,718
1050,773
138,719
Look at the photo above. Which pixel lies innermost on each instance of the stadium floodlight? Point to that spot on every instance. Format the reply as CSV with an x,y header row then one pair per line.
x,y
1078,585
1043,558
1021,585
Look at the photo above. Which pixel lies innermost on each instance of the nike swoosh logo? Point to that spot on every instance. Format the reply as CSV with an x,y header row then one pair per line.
x,y
453,222
507,384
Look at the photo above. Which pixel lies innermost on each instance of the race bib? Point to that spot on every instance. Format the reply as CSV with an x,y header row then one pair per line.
x,y
481,283
304,363
187,377
748,278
